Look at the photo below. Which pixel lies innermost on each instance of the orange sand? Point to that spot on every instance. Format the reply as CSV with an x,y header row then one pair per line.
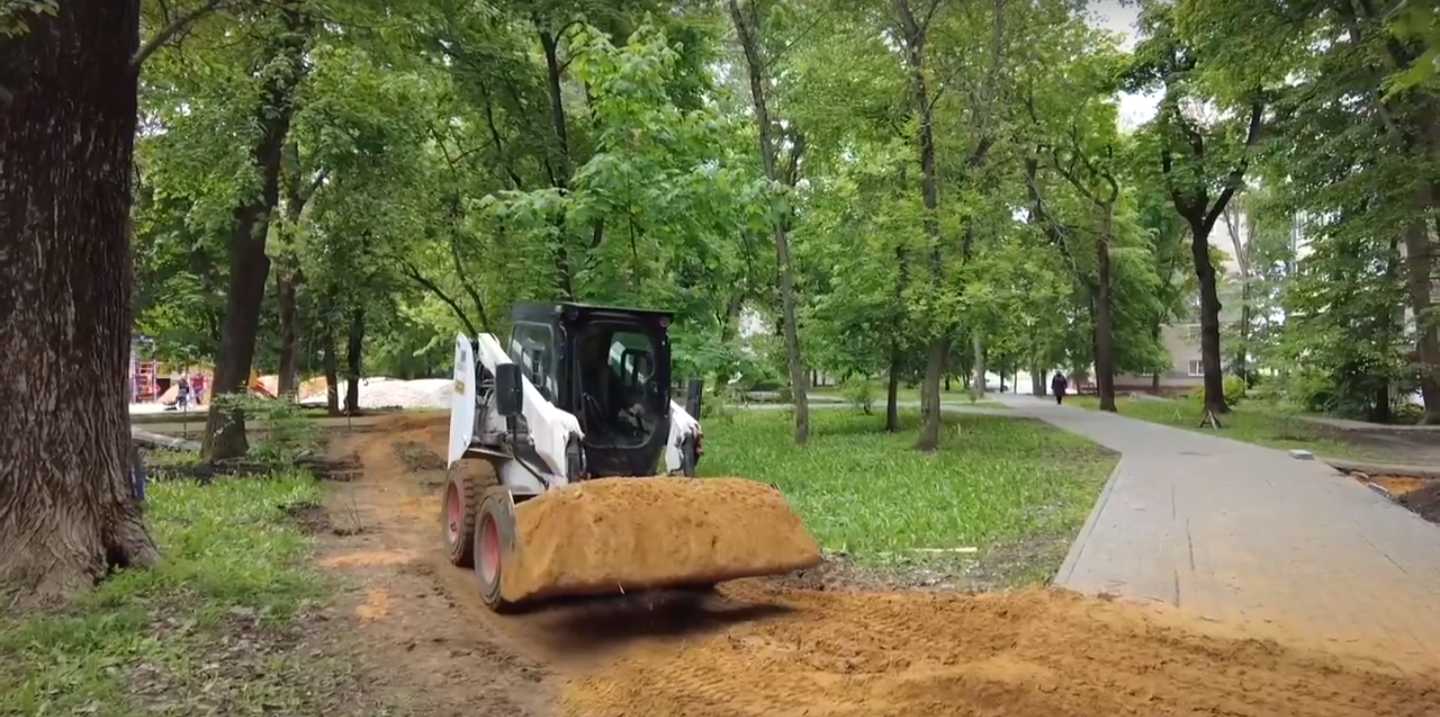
x,y
1036,653
621,534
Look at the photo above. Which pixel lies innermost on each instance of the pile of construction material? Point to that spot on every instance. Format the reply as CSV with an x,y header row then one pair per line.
x,y
380,392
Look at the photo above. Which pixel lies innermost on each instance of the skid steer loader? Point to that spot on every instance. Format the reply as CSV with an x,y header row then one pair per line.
x,y
580,394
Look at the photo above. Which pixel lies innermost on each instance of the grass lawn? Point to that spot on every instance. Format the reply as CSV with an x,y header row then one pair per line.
x,y
211,630
1249,422
998,484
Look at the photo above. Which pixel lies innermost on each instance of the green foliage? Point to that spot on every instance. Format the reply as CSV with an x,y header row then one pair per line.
x,y
16,15
448,159
1234,387
285,435
859,391
232,557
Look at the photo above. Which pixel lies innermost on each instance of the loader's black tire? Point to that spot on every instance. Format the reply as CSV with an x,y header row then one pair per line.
x,y
458,509
494,543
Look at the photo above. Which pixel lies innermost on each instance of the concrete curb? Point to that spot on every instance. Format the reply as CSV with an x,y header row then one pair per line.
x,y
1077,546
1377,468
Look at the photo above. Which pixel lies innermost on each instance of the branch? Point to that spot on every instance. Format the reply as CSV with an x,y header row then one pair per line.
x,y
420,279
1237,175
168,33
499,148
466,284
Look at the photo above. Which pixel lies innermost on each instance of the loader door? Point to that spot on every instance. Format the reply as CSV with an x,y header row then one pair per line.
x,y
532,345
622,383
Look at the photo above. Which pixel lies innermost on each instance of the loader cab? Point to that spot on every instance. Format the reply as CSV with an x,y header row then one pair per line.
x,y
607,366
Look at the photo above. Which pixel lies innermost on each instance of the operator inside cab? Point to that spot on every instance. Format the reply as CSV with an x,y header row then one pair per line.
x,y
614,409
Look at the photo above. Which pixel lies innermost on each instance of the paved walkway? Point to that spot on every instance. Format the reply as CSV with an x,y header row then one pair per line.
x,y
1232,531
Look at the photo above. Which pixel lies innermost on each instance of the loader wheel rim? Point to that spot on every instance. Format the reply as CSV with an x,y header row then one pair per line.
x,y
489,550
453,516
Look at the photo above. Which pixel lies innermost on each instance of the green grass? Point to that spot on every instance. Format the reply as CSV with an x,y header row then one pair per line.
x,y
996,481
203,631
1250,422
878,390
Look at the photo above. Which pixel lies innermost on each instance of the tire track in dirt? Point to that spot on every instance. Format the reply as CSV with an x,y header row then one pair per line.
x,y
422,618
761,647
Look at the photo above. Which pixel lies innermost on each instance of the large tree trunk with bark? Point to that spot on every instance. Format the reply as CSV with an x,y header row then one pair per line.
x,y
249,265
67,129
1209,320
747,30
353,350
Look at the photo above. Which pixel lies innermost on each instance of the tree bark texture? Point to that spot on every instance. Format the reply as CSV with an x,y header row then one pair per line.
x,y
353,348
67,514
1209,320
249,265
746,30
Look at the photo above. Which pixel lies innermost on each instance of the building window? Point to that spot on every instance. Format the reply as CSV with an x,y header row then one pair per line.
x,y
1197,368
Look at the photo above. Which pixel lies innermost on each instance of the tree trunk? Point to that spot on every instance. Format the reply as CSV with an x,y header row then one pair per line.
x,y
747,32
289,379
977,386
249,265
1419,266
938,352
892,391
1155,377
1038,385
1380,410
1209,320
287,280
550,45
936,356
353,350
331,364
67,514
1104,327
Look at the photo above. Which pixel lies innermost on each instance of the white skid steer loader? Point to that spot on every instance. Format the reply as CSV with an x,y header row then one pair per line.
x,y
583,393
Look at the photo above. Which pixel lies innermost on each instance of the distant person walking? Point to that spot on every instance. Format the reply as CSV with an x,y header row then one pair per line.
x,y
1058,385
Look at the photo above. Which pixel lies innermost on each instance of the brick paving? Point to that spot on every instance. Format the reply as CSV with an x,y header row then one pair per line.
x,y
1234,531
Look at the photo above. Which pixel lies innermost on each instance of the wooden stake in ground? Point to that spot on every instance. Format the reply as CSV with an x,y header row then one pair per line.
x,y
67,129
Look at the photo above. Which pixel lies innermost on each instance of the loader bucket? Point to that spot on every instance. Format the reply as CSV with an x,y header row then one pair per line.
x,y
618,535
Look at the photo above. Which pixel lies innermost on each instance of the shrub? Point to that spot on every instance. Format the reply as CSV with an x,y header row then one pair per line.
x,y
1234,388
859,392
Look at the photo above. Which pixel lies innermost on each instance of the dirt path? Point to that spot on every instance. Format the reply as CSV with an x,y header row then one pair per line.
x,y
769,647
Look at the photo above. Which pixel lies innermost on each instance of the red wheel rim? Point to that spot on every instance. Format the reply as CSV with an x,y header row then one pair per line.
x,y
489,550
452,512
